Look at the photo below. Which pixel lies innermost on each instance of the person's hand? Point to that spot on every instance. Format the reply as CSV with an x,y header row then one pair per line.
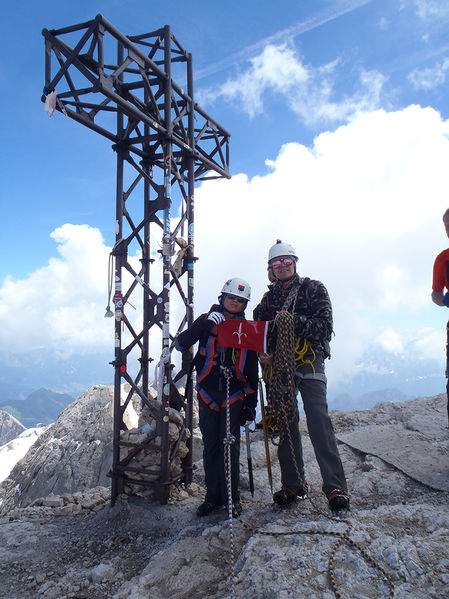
x,y
247,415
216,317
446,300
266,359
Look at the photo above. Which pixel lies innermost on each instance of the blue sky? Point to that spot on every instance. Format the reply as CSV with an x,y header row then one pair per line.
x,y
338,113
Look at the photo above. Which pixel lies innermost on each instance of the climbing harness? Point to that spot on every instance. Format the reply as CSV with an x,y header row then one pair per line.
x,y
446,374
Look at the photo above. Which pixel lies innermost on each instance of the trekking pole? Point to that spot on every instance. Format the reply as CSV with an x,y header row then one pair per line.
x,y
265,437
250,460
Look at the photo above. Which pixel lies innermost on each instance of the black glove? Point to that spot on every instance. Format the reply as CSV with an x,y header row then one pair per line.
x,y
247,415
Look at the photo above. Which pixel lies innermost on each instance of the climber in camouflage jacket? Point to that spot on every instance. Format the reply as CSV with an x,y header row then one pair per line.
x,y
312,311
308,301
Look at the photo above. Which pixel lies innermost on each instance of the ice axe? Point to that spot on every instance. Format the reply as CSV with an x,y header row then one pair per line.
x,y
250,460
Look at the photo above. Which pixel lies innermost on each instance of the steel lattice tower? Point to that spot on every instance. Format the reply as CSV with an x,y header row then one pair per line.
x,y
122,88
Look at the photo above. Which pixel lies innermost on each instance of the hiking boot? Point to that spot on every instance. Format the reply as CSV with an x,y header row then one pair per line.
x,y
290,494
205,509
338,500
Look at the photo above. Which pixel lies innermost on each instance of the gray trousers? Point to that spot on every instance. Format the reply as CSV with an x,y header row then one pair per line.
x,y
322,436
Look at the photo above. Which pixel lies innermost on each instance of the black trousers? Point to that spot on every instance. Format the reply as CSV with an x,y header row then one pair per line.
x,y
213,428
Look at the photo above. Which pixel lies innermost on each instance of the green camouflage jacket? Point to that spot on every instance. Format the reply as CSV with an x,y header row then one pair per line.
x,y
312,311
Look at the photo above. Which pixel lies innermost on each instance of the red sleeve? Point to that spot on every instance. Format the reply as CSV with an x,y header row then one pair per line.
x,y
439,280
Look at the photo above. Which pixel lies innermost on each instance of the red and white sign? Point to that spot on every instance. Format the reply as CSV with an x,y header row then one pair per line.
x,y
247,334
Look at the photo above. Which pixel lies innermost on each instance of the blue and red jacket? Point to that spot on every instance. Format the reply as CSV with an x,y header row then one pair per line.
x,y
210,360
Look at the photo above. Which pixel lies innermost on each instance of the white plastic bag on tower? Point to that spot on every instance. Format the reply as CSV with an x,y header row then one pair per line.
x,y
50,103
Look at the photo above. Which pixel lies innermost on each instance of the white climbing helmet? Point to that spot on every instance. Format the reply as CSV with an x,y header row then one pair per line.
x,y
281,248
238,287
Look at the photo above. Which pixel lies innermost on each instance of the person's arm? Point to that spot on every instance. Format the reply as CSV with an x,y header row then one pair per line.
x,y
317,323
191,335
262,310
438,282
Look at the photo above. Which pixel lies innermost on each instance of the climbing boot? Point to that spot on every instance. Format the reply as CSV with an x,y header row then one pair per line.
x,y
206,508
338,500
290,494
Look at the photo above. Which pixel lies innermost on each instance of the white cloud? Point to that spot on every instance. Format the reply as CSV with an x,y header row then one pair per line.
x,y
430,9
309,92
313,20
429,78
362,206
423,343
430,343
391,341
61,305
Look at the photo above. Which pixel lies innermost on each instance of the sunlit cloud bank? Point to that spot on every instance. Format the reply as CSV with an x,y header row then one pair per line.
x,y
363,208
61,305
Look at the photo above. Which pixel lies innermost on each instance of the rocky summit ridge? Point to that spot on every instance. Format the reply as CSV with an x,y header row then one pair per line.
x,y
72,544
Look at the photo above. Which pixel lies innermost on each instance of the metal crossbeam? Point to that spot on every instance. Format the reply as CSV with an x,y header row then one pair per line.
x,y
122,88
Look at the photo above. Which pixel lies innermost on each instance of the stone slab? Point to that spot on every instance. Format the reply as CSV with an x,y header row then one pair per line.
x,y
423,457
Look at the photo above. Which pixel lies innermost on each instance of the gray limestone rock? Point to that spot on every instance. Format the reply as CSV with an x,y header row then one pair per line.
x,y
138,549
10,427
73,454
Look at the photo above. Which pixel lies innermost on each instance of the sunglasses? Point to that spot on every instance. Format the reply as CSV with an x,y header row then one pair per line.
x,y
240,300
276,263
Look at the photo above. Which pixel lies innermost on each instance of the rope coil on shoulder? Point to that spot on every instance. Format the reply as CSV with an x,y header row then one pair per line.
x,y
281,388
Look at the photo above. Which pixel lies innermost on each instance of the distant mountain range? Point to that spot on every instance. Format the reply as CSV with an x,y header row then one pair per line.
x,y
40,407
379,376
22,374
